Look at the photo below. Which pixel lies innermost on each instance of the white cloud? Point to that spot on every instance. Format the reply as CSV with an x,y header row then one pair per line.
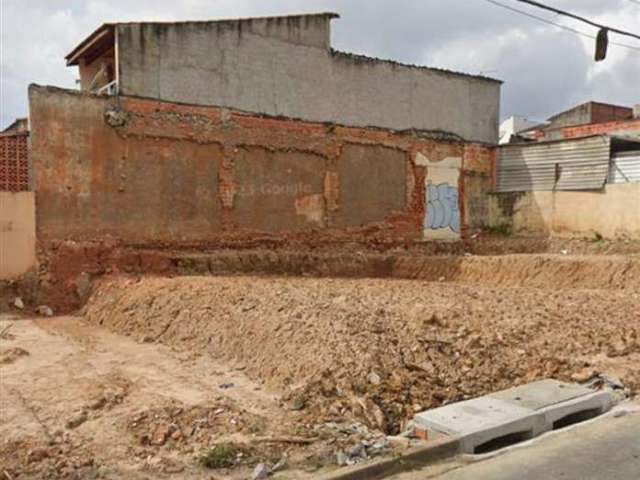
x,y
546,70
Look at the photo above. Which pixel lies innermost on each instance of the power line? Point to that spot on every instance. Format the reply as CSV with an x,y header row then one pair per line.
x,y
564,27
577,17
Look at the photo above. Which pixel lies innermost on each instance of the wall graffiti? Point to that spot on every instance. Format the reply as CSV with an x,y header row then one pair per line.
x,y
442,207
442,219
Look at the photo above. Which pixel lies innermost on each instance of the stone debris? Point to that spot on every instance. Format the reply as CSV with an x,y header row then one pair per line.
x,y
280,464
116,117
45,311
18,303
604,380
373,378
83,285
298,403
261,471
160,434
362,451
77,420
399,441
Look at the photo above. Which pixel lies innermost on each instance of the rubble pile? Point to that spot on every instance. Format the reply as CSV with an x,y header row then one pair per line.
x,y
378,350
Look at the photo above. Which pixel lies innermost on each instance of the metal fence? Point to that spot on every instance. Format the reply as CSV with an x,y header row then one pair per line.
x,y
580,164
625,167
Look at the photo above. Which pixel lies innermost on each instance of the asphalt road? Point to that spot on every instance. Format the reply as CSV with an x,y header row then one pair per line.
x,y
607,448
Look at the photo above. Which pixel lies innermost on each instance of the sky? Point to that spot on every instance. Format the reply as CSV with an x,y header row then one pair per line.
x,y
545,69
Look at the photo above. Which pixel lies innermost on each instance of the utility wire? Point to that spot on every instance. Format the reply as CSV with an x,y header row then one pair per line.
x,y
582,19
564,27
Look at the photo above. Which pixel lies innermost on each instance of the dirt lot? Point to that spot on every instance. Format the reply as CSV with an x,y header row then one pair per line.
x,y
80,402
160,370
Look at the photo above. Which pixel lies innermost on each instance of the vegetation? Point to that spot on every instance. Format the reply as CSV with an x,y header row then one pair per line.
x,y
223,455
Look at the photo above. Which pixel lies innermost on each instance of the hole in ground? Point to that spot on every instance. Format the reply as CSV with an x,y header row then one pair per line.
x,y
576,417
503,441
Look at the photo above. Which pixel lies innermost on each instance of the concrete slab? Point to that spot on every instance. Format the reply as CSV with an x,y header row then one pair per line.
x,y
514,414
577,409
479,421
541,394
556,400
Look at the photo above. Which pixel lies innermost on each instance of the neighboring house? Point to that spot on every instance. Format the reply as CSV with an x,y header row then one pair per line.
x,y
513,126
577,175
584,186
590,118
19,125
17,203
284,66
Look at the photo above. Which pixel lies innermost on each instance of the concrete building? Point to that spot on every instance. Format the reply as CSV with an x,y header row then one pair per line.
x,y
590,112
512,126
587,119
284,66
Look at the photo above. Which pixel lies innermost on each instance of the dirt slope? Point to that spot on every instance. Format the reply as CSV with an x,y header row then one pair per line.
x,y
378,349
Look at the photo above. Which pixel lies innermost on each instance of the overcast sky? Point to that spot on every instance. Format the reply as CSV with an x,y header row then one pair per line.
x,y
545,69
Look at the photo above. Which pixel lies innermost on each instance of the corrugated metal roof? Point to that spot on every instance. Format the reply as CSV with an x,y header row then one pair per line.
x,y
625,167
580,164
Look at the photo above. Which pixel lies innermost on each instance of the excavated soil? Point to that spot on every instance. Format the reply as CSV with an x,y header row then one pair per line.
x,y
377,350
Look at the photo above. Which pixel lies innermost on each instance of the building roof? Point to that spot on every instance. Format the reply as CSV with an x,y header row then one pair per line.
x,y
586,104
19,125
102,35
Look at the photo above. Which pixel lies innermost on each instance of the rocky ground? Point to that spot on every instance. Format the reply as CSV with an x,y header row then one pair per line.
x,y
78,402
227,377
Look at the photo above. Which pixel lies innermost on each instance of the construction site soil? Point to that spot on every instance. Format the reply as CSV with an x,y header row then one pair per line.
x,y
306,359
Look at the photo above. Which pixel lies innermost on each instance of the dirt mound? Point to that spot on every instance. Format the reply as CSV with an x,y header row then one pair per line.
x,y
377,349
542,271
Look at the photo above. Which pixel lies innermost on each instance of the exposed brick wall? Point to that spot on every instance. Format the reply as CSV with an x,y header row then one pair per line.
x,y
601,113
629,126
145,172
621,126
14,162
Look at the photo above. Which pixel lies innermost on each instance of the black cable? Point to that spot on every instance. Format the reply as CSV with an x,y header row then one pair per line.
x,y
577,17
564,27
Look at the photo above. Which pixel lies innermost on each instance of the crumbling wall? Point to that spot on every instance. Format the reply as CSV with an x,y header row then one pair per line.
x,y
238,65
612,213
144,172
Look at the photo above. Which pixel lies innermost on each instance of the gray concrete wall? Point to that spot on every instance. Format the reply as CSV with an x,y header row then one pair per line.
x,y
285,67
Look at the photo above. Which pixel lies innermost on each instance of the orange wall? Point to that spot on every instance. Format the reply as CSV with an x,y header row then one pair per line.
x,y
148,172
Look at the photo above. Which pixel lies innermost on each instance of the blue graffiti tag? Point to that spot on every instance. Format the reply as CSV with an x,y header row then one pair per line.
x,y
442,207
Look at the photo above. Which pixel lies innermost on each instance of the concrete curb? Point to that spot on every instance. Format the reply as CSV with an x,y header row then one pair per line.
x,y
414,458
